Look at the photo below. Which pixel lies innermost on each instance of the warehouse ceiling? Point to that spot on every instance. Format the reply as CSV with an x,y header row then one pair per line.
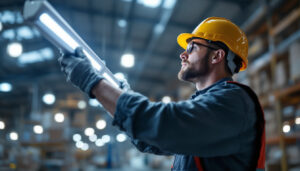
x,y
111,28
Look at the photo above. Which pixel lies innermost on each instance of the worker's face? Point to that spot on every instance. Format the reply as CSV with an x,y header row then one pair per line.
x,y
194,61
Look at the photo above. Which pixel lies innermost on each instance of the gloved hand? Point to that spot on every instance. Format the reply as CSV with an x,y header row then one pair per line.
x,y
124,85
79,71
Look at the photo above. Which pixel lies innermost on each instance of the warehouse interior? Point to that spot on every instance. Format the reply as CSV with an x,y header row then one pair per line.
x,y
48,124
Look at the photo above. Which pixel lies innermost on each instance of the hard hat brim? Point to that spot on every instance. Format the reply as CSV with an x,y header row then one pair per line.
x,y
183,37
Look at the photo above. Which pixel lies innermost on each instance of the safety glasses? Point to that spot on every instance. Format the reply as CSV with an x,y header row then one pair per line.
x,y
190,47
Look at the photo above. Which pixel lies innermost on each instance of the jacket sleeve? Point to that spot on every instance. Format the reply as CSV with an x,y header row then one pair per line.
x,y
146,148
212,124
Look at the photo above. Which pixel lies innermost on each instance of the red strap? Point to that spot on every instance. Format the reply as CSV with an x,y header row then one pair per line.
x,y
198,163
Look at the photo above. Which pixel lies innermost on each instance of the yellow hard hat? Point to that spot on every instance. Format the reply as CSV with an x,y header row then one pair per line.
x,y
223,30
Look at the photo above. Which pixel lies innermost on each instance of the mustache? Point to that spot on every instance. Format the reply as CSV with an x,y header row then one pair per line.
x,y
184,62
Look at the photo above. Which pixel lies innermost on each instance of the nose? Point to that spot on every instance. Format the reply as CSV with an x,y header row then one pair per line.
x,y
184,56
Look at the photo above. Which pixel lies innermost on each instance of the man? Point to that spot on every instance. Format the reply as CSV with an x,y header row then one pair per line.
x,y
220,128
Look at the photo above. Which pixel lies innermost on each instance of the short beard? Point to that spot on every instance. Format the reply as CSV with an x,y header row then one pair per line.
x,y
191,75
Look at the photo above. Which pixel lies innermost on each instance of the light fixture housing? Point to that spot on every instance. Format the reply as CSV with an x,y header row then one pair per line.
x,y
52,26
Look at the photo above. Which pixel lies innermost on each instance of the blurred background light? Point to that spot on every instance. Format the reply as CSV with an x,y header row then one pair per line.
x,y
106,138
79,144
14,136
150,3
89,131
99,142
119,75
14,49
49,98
168,4
166,99
93,138
38,129
40,55
81,104
5,87
101,124
286,128
59,117
2,125
76,137
127,60
121,137
122,23
297,120
94,102
85,147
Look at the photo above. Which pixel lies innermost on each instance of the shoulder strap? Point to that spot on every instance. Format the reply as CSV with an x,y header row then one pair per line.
x,y
261,126
260,166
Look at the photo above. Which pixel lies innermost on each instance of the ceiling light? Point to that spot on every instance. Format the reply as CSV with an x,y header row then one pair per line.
x,y
99,143
5,87
286,128
49,98
122,23
14,136
121,137
297,120
2,125
89,131
81,104
14,49
38,129
59,117
105,138
127,60
93,138
85,147
166,99
150,3
60,33
76,137
101,124
79,144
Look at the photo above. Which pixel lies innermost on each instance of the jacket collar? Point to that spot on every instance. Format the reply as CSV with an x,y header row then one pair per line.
x,y
197,93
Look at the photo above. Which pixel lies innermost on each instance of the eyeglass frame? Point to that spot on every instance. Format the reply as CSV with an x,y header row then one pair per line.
x,y
219,45
190,48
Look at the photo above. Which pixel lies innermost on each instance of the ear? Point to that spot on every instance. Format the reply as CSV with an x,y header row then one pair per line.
x,y
218,56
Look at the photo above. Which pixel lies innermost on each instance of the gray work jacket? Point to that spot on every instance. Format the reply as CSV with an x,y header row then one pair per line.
x,y
217,124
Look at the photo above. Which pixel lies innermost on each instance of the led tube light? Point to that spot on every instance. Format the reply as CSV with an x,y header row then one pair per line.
x,y
52,26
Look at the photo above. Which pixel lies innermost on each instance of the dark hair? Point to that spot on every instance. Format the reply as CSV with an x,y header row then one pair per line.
x,y
237,60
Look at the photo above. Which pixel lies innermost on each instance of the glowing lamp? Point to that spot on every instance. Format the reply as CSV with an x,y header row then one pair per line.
x,y
52,26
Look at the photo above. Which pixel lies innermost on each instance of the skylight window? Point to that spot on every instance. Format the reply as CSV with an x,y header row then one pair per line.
x,y
8,34
25,32
36,56
8,17
168,4
150,3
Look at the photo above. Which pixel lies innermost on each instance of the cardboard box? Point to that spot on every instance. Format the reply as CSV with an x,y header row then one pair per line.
x,y
294,61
